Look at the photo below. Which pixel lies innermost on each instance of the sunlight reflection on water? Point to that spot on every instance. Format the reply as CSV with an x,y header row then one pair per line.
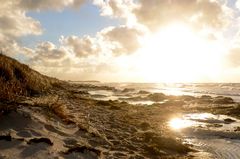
x,y
179,123
188,120
213,136
195,120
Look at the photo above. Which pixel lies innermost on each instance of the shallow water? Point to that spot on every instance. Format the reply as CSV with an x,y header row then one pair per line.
x,y
103,95
216,134
195,89
219,148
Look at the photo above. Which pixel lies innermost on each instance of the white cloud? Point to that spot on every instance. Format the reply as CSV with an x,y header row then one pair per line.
x,y
50,51
81,47
123,40
115,8
46,55
49,4
201,13
8,45
112,40
15,23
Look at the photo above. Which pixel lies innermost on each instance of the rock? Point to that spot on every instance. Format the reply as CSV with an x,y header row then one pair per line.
x,y
223,100
187,98
228,120
156,97
126,90
206,97
237,129
143,92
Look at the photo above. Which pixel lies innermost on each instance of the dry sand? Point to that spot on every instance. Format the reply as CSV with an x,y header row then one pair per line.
x,y
68,123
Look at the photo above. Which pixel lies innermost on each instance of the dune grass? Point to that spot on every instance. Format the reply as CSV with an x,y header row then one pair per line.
x,y
18,79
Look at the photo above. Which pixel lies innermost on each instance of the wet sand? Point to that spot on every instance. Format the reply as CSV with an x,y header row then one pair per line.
x,y
68,122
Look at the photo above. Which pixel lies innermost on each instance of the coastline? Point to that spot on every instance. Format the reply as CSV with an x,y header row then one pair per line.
x,y
69,123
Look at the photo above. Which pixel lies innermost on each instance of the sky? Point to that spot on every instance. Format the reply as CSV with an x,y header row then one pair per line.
x,y
125,40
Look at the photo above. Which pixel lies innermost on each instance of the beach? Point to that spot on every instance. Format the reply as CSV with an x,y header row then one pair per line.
x,y
69,122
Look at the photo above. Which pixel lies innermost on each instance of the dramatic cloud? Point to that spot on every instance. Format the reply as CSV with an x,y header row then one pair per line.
x,y
203,13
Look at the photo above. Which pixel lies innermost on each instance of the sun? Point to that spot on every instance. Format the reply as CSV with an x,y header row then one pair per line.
x,y
177,53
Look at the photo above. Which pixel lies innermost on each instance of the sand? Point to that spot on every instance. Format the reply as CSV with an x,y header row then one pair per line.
x,y
69,123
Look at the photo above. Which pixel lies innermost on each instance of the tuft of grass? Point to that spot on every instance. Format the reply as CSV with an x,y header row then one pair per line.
x,y
53,105
60,110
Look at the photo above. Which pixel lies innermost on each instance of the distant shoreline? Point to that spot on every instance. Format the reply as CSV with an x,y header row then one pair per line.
x,y
83,81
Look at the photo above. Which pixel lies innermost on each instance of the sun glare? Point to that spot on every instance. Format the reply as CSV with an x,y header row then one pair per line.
x,y
178,54
178,123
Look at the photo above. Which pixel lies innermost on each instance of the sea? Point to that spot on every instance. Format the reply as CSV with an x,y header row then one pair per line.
x,y
194,89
